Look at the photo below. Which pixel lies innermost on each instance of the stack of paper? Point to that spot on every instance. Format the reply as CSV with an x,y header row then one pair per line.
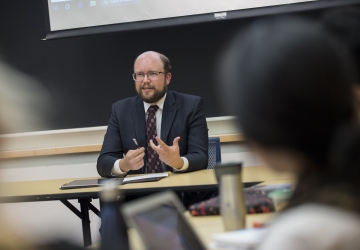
x,y
240,239
145,177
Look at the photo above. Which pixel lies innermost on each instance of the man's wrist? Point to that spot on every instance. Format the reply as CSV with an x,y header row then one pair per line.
x,y
116,171
122,167
185,165
179,163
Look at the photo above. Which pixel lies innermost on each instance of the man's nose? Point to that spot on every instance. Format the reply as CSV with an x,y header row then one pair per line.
x,y
146,78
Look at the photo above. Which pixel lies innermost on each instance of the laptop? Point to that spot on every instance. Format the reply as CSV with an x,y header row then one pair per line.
x,y
159,219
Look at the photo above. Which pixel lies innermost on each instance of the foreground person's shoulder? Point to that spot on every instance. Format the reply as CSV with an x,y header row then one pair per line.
x,y
313,227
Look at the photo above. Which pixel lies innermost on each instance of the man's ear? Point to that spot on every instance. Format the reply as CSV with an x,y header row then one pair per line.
x,y
168,78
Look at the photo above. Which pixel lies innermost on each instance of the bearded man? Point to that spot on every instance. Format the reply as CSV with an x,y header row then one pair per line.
x,y
159,130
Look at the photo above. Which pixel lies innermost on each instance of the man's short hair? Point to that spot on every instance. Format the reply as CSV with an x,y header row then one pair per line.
x,y
166,62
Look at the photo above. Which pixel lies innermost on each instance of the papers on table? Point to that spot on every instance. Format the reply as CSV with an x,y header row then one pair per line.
x,y
145,177
239,239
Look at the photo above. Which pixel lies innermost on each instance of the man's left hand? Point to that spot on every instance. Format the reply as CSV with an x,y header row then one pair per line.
x,y
170,155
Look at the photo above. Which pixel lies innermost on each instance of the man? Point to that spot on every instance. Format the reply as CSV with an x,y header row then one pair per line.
x,y
158,130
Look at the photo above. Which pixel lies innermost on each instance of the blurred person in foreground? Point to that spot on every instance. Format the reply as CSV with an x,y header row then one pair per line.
x,y
24,104
344,23
22,108
289,83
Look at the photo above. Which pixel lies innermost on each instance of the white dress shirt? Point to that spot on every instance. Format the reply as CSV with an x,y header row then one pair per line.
x,y
116,168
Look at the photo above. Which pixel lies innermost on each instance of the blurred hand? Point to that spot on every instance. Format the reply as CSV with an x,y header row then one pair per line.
x,y
133,160
170,155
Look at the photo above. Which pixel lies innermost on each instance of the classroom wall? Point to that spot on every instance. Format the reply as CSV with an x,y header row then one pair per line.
x,y
83,76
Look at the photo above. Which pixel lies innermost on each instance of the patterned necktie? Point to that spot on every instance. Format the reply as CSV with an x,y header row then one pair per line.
x,y
153,162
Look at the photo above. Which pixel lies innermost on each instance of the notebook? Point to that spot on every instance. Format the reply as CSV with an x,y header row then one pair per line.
x,y
160,222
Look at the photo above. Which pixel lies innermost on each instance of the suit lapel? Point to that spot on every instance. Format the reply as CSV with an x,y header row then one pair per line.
x,y
168,116
138,116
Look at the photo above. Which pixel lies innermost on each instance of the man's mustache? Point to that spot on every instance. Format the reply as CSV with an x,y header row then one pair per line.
x,y
147,86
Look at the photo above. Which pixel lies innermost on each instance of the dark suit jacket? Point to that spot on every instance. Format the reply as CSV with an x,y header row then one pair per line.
x,y
182,116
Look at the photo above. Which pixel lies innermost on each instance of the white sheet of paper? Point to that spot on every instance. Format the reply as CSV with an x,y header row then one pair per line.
x,y
239,239
146,176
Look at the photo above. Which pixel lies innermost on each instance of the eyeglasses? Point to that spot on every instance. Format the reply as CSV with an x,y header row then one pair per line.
x,y
152,75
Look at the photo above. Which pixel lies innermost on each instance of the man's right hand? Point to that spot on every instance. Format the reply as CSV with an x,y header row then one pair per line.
x,y
133,160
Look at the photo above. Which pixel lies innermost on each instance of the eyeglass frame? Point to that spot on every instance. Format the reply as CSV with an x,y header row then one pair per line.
x,y
147,74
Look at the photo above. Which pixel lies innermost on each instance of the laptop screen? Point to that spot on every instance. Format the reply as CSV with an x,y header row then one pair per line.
x,y
163,228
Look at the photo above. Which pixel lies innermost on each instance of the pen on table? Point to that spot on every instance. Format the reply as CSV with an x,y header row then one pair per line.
x,y
136,143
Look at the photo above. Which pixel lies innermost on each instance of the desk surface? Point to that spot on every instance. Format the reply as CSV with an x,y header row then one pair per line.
x,y
45,190
206,226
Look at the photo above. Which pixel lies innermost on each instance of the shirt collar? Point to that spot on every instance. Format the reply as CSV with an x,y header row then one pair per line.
x,y
160,103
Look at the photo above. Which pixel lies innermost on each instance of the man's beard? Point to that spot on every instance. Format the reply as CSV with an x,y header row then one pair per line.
x,y
158,94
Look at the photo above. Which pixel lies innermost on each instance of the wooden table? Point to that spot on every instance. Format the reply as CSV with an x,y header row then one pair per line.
x,y
29,191
47,190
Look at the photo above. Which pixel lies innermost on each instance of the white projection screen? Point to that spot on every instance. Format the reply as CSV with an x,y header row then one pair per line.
x,y
67,18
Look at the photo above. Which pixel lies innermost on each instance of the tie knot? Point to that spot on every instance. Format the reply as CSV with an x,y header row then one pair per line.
x,y
153,108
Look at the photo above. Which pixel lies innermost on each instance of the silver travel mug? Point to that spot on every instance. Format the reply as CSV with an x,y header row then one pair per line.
x,y
232,201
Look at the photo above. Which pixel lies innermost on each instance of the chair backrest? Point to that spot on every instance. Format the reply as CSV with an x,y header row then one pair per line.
x,y
214,152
